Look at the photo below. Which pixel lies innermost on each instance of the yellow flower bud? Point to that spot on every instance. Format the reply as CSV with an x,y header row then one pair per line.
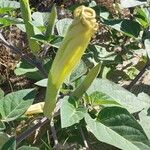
x,y
69,53
35,109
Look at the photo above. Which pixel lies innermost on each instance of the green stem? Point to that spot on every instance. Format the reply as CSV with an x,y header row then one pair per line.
x,y
51,22
51,95
26,15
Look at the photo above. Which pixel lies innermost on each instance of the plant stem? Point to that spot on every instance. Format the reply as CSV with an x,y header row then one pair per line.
x,y
26,15
57,146
16,50
84,139
133,82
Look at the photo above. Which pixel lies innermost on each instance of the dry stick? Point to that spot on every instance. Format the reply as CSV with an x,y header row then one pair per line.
x,y
29,131
44,120
84,139
57,146
133,82
16,50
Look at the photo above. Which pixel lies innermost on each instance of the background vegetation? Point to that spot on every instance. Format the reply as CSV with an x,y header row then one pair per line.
x,y
111,83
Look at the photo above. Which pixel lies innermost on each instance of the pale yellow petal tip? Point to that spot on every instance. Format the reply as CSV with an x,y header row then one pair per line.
x,y
35,109
88,17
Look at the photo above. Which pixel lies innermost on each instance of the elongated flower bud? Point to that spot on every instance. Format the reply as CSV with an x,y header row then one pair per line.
x,y
69,53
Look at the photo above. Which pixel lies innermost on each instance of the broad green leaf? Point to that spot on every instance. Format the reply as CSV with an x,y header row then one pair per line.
x,y
24,68
42,83
3,139
102,11
79,71
10,144
115,126
128,27
122,122
40,18
142,16
56,42
92,4
132,3
14,104
51,22
144,117
100,53
53,40
144,122
21,27
27,148
147,46
70,114
63,25
119,94
2,126
145,98
7,6
82,88
99,98
42,38
1,93
7,21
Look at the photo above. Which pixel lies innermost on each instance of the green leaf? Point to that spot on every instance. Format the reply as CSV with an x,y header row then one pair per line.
x,y
144,116
145,98
53,40
42,83
63,25
3,139
128,27
147,46
122,122
7,21
144,122
99,98
56,42
10,144
2,126
14,104
42,38
117,127
101,11
119,94
7,6
24,68
51,22
1,94
100,53
132,3
142,16
27,148
79,71
69,113
40,18
82,88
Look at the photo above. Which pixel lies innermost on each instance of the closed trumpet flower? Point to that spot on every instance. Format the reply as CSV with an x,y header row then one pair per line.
x,y
69,53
